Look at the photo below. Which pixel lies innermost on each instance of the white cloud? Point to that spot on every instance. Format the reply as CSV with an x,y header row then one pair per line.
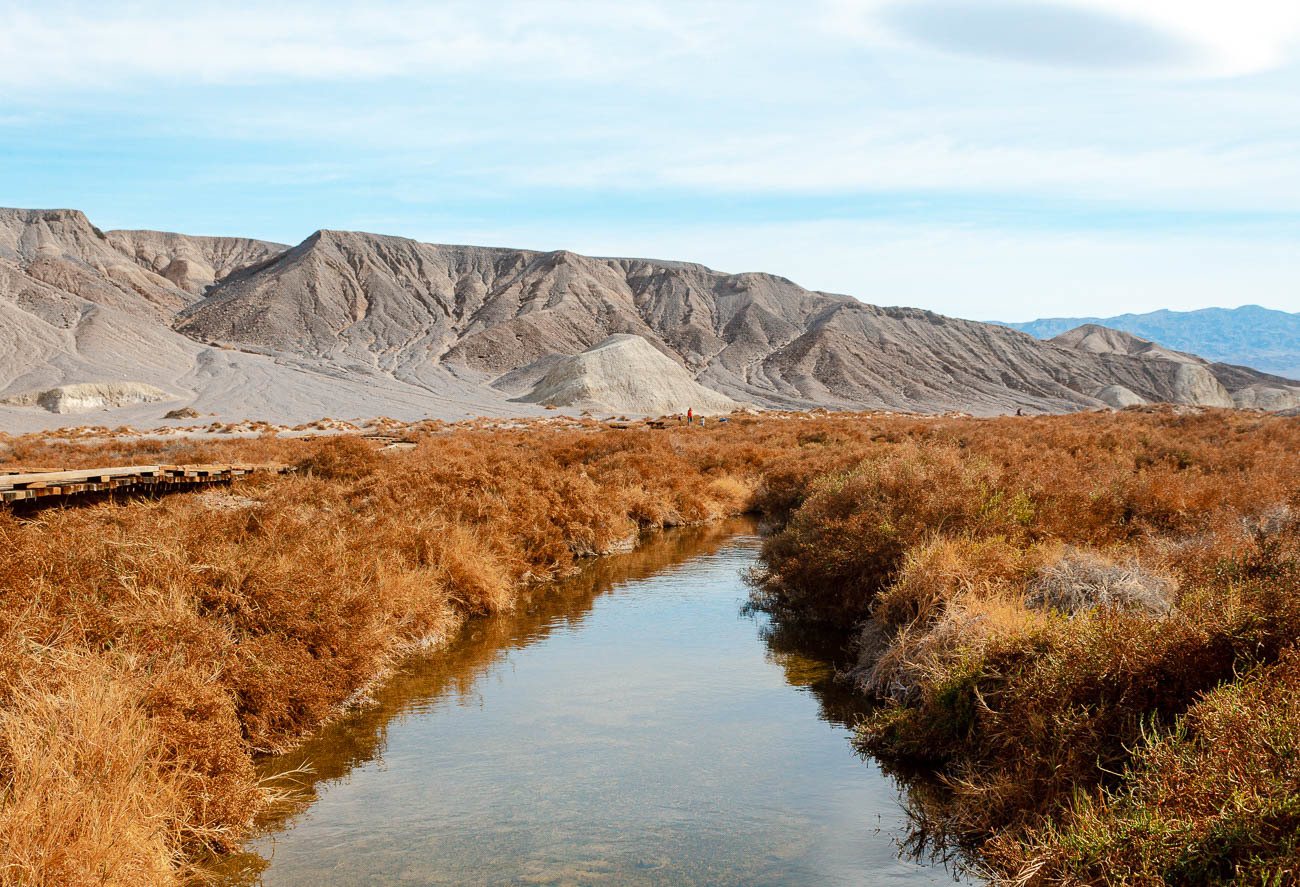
x,y
78,45
899,157
1243,37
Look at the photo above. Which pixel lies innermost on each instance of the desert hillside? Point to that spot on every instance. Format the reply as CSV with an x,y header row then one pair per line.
x,y
352,324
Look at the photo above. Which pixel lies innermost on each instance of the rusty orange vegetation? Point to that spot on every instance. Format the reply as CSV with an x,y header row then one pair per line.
x,y
150,649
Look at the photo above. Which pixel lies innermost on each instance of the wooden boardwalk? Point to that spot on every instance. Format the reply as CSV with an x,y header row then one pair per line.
x,y
16,488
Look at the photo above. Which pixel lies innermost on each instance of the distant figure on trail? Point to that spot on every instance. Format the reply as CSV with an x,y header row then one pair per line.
x,y
1019,411
690,416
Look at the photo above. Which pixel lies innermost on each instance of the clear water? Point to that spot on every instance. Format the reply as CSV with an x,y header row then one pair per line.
x,y
633,727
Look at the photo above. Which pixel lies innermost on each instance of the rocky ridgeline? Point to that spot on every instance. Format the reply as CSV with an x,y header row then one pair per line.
x,y
356,324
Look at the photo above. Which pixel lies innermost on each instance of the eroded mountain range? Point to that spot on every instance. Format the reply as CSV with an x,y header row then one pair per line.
x,y
352,325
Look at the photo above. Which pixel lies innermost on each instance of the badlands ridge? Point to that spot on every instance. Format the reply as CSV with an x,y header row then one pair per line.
x,y
130,325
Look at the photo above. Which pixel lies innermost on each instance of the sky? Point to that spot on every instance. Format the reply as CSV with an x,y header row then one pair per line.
x,y
989,159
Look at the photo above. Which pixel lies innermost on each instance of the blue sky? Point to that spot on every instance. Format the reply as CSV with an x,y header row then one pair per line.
x,y
984,158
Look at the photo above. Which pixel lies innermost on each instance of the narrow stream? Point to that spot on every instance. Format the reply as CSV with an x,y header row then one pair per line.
x,y
631,727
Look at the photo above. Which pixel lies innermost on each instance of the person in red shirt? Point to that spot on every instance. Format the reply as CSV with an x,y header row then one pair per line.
x,y
690,416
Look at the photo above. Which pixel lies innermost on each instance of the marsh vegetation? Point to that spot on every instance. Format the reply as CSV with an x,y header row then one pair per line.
x,y
1083,625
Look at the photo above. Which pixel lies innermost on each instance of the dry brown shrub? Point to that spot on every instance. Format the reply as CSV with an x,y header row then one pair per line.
x,y
237,629
947,568
1216,800
228,631
1083,580
919,657
85,798
1160,555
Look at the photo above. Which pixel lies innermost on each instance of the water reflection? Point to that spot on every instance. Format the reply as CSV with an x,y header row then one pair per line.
x,y
624,728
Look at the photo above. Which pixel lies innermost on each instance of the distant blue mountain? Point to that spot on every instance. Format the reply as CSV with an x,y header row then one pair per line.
x,y
1250,336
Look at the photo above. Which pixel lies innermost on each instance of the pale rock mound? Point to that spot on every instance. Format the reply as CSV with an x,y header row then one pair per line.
x,y
1264,396
89,396
1119,397
1195,384
625,374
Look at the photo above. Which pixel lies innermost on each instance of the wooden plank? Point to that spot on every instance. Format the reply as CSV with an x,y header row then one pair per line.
x,y
13,481
18,487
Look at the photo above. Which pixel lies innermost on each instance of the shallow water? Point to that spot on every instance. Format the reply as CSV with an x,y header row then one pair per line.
x,y
633,727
